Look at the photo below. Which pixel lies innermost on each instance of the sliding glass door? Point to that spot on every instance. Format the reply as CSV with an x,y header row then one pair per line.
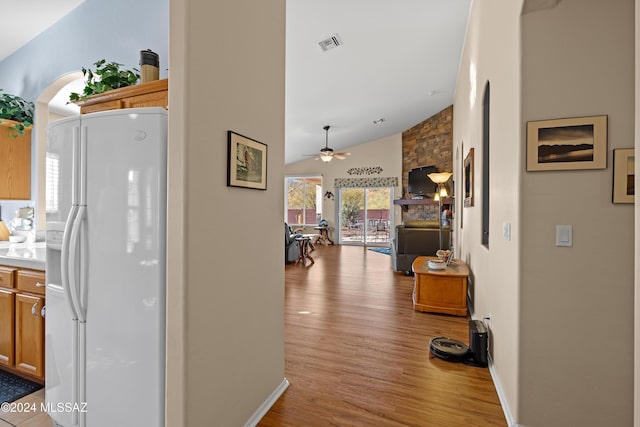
x,y
365,216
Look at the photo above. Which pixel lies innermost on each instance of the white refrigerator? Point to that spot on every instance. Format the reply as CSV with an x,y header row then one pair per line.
x,y
105,292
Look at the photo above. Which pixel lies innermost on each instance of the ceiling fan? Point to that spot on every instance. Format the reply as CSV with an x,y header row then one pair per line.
x,y
326,153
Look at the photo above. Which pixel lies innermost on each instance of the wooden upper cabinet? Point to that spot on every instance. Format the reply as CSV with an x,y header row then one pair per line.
x,y
15,163
150,94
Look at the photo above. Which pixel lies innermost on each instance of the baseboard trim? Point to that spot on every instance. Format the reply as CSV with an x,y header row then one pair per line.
x,y
497,384
501,396
267,404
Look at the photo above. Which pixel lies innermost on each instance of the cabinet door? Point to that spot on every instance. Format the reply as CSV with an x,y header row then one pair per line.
x,y
6,327
15,163
29,335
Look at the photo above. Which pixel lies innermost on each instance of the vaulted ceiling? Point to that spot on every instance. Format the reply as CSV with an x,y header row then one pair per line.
x,y
398,62
396,65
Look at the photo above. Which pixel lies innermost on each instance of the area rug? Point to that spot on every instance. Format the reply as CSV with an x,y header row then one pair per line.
x,y
12,387
386,251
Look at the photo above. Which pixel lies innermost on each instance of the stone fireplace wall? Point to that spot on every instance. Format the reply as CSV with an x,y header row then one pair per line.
x,y
430,142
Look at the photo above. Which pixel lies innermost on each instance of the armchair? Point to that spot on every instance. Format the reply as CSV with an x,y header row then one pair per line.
x,y
291,248
413,239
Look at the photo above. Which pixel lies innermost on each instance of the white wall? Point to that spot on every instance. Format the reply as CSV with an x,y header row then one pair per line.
x,y
491,53
385,152
225,292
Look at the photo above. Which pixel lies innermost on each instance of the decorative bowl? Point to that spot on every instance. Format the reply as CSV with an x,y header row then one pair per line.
x,y
437,264
17,239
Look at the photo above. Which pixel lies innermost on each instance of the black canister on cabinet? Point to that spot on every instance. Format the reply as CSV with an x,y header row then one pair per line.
x,y
149,66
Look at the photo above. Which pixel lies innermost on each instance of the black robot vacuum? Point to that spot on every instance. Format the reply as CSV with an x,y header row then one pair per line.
x,y
474,354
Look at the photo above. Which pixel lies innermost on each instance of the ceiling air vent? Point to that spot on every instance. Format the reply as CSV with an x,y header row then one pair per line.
x,y
330,43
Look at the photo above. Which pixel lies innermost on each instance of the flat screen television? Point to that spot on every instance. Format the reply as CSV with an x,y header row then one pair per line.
x,y
419,183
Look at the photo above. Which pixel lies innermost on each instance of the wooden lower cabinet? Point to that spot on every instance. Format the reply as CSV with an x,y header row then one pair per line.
x,y
7,327
29,348
22,321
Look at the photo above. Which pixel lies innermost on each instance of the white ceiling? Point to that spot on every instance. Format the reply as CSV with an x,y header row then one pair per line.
x,y
399,61
25,19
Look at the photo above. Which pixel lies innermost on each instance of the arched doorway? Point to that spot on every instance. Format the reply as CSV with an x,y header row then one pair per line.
x,y
45,113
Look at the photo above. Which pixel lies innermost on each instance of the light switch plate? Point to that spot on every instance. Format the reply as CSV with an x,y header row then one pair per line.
x,y
506,231
564,235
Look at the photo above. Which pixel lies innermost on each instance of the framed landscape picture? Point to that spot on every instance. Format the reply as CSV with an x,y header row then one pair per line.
x,y
567,144
246,162
624,164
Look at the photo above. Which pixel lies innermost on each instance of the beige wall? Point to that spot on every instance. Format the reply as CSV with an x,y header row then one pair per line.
x,y
491,53
577,61
544,373
225,296
551,306
385,152
636,406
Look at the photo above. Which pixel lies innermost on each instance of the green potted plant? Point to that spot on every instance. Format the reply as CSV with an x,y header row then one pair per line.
x,y
105,77
13,107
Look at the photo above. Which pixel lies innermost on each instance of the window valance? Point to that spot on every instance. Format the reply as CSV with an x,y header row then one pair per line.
x,y
366,182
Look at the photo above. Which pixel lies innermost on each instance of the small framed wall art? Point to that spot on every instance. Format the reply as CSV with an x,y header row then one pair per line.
x,y
567,144
624,175
468,179
246,162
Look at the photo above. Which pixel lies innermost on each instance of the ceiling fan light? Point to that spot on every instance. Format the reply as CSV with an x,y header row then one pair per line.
x,y
325,158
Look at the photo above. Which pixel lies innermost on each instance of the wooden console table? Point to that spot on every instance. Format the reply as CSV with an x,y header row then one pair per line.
x,y
440,291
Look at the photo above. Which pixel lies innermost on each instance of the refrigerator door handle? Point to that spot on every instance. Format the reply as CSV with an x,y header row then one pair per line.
x,y
73,266
82,168
64,261
75,167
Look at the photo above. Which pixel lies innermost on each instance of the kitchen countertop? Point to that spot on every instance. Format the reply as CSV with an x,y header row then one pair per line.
x,y
23,255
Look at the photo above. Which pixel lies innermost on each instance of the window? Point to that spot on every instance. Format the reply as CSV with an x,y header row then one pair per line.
x,y
303,200
485,166
52,166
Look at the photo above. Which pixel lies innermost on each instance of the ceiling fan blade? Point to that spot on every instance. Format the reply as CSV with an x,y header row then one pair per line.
x,y
339,157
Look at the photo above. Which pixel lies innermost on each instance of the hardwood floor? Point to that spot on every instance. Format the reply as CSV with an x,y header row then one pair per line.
x,y
356,353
